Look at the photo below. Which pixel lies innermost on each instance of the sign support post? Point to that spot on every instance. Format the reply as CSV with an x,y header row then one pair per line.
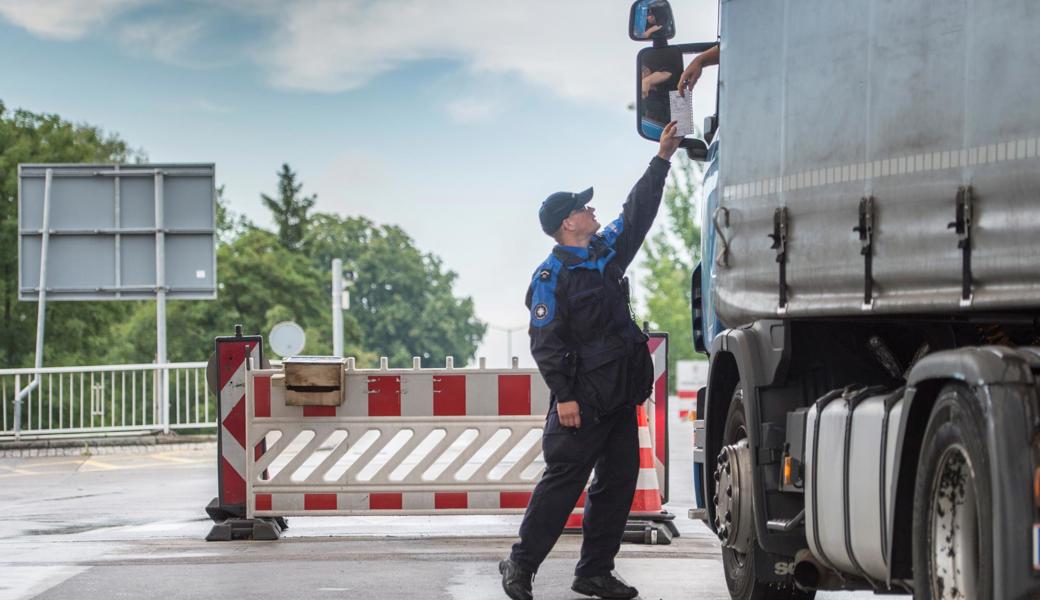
x,y
41,303
160,303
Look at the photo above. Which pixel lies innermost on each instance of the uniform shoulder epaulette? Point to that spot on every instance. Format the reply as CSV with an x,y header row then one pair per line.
x,y
543,292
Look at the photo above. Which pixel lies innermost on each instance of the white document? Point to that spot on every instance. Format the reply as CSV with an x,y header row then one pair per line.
x,y
682,112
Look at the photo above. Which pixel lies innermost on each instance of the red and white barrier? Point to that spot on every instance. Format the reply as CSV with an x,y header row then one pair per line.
x,y
313,460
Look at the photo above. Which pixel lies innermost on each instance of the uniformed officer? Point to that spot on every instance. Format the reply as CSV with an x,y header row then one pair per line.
x,y
595,361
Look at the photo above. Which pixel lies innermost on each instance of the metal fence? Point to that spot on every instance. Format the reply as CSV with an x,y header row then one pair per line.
x,y
104,400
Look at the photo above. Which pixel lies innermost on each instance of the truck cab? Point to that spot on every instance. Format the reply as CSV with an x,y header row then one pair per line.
x,y
867,294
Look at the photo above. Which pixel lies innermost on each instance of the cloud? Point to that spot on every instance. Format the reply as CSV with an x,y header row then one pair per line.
x,y
170,40
570,48
64,19
576,50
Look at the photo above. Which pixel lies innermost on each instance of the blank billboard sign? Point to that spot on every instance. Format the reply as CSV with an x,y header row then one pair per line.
x,y
104,233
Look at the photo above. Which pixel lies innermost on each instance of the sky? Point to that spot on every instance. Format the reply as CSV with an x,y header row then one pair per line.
x,y
452,119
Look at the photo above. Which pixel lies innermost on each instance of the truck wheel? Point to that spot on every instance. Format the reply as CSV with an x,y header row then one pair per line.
x,y
739,566
953,545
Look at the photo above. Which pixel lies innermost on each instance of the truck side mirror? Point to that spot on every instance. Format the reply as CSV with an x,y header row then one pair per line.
x,y
658,72
658,100
651,20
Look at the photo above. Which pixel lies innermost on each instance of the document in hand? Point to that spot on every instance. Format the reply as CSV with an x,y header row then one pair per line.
x,y
681,108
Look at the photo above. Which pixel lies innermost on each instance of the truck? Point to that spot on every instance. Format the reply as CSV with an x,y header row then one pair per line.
x,y
868,294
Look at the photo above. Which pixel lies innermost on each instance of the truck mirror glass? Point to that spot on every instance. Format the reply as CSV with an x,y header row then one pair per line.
x,y
651,20
658,70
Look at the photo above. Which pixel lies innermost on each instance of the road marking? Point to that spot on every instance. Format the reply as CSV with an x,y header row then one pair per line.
x,y
173,459
97,465
26,582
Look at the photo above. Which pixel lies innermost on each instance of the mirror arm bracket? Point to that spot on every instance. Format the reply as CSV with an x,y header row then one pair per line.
x,y
696,48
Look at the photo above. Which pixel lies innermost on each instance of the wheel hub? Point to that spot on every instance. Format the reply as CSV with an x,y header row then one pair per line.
x,y
733,503
954,531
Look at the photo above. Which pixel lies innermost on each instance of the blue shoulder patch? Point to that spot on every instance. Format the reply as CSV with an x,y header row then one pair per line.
x,y
543,292
610,233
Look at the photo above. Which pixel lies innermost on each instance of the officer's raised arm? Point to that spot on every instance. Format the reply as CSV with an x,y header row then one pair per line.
x,y
626,233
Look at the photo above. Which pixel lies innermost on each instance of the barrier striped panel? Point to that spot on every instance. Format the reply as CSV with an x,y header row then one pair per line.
x,y
232,355
413,441
658,408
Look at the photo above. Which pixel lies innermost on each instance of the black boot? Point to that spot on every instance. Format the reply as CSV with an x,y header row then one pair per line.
x,y
516,580
604,586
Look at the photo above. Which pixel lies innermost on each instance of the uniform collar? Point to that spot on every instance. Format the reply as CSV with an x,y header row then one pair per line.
x,y
571,254
595,256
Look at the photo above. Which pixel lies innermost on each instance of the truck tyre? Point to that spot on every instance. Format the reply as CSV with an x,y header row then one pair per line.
x,y
953,544
739,567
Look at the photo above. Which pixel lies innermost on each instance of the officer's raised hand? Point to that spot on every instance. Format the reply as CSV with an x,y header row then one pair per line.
x,y
569,413
669,142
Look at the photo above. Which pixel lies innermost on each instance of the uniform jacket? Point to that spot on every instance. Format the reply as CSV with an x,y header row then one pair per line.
x,y
583,337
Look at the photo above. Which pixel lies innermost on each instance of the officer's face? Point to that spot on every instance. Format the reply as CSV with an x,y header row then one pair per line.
x,y
584,220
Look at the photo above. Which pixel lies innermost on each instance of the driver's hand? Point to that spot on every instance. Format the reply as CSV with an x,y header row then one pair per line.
x,y
569,413
689,77
669,143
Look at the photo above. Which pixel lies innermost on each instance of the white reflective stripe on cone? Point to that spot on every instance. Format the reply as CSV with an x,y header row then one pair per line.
x,y
647,480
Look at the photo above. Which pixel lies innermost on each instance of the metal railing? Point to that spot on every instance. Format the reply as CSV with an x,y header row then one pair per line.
x,y
104,400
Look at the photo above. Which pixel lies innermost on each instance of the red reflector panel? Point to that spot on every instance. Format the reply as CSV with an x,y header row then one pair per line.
x,y
450,500
319,502
385,501
514,499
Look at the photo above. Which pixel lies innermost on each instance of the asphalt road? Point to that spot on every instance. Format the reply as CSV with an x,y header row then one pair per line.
x,y
132,526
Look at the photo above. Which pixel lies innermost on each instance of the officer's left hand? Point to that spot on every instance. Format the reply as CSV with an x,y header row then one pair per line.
x,y
669,143
569,413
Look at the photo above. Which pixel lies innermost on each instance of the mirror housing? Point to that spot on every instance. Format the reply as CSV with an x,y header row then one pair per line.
x,y
658,71
696,150
651,20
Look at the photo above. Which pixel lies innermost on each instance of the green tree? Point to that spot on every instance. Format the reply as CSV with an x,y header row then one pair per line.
x,y
671,255
260,284
74,329
402,301
290,209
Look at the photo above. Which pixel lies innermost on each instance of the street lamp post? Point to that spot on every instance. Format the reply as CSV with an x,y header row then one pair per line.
x,y
341,283
509,338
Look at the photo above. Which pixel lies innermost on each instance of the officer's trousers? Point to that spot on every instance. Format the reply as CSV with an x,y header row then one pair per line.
x,y
611,445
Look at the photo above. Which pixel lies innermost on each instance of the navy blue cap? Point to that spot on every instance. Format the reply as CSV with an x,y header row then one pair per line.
x,y
559,206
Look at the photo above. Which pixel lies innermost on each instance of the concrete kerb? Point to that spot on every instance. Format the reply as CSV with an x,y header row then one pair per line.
x,y
105,446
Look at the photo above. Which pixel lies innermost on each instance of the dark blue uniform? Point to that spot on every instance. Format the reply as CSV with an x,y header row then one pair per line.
x,y
590,350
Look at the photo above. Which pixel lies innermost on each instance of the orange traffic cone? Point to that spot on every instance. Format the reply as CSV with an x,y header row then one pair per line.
x,y
646,503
